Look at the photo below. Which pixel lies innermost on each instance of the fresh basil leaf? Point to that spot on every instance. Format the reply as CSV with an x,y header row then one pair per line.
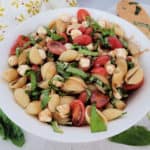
x,y
17,136
10,130
56,128
56,37
45,98
2,131
33,79
135,136
18,51
97,124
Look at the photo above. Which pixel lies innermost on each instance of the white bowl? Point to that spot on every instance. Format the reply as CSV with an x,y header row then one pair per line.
x,y
138,105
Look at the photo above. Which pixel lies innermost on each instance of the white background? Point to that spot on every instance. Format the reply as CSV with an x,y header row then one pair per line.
x,y
36,143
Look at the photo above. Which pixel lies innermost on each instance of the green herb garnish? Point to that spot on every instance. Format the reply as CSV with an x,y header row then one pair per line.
x,y
45,98
97,123
87,52
77,72
56,128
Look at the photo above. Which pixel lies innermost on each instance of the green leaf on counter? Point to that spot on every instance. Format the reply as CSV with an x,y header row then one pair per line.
x,y
97,124
135,136
9,130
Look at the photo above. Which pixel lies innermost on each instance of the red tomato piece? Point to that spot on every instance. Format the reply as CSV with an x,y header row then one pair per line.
x,y
130,87
85,30
99,99
82,14
101,60
114,42
64,36
88,31
83,40
100,70
78,113
83,97
56,47
20,41
35,67
82,29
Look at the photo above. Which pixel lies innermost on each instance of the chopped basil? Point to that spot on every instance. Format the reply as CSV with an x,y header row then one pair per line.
x,y
130,64
56,128
18,51
45,98
97,123
137,10
77,72
33,79
87,52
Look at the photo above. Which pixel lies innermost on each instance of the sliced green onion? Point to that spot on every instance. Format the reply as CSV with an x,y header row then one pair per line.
x,y
56,128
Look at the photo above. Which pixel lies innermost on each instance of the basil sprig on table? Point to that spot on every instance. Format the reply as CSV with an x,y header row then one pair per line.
x,y
9,130
135,136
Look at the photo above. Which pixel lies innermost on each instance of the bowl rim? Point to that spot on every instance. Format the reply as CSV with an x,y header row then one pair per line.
x,y
57,138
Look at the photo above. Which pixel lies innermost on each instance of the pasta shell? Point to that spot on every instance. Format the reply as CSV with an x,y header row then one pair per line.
x,y
68,56
74,85
133,48
22,59
112,113
19,83
134,76
13,60
60,26
45,115
66,99
54,102
21,97
10,75
48,70
34,108
43,84
63,109
61,119
35,56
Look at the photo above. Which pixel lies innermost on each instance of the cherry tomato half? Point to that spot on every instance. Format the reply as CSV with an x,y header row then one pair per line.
x,y
100,70
100,99
20,41
56,47
101,60
83,97
114,42
83,39
82,15
85,30
131,87
78,113
64,36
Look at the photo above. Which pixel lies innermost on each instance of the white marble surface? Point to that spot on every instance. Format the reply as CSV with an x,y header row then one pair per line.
x,y
36,143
